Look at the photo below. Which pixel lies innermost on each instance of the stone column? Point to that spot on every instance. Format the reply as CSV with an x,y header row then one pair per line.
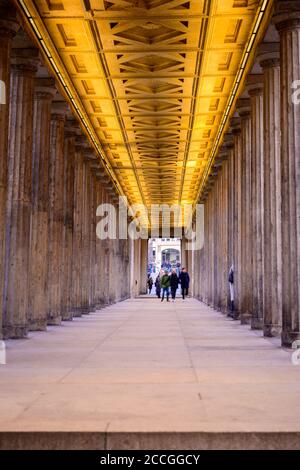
x,y
272,270
97,252
106,258
224,262
136,268
38,295
246,235
287,19
19,196
225,198
8,28
118,260
112,262
78,229
86,240
209,260
126,273
100,287
257,185
71,130
88,236
237,221
143,266
230,223
214,246
56,185
92,242
94,260
183,253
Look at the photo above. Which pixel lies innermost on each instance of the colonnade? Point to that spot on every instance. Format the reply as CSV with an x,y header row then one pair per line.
x,y
53,267
252,197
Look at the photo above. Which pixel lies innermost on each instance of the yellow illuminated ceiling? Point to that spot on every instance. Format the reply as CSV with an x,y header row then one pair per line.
x,y
151,79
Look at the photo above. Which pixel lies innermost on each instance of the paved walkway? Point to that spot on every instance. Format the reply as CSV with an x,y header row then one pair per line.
x,y
144,366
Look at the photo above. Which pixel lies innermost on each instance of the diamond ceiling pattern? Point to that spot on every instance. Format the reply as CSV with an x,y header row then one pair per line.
x,y
154,77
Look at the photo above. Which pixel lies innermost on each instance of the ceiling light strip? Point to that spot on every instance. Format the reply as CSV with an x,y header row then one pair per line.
x,y
32,22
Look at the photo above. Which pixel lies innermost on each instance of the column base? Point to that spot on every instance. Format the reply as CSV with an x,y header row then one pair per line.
x,y
67,316
288,338
54,321
76,312
99,306
37,325
272,331
85,310
246,319
256,324
14,332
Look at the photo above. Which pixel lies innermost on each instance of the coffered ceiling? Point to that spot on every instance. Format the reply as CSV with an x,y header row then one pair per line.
x,y
152,79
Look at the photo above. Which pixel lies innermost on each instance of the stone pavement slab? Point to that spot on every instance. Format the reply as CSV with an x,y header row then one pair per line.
x,y
146,367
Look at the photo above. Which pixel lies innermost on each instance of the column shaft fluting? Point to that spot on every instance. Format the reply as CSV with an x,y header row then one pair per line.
x,y
78,232
8,28
237,220
272,200
15,322
39,212
246,235
56,184
86,240
287,19
68,209
257,182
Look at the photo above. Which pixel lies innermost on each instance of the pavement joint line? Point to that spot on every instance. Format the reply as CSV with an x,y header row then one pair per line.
x,y
93,350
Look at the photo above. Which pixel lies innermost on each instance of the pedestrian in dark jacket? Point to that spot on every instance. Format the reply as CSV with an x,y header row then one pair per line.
x,y
174,281
157,286
184,280
165,285
150,284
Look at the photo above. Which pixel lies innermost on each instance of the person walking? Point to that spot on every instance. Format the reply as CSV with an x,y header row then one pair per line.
x,y
174,281
184,280
157,286
165,285
150,284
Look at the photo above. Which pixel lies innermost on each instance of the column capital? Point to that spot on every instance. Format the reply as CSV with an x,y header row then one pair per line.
x,y
268,55
25,61
57,117
97,171
255,85
270,62
72,127
221,158
44,88
59,111
235,126
228,141
81,142
243,108
9,24
89,154
255,90
229,145
287,15
8,29
245,114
